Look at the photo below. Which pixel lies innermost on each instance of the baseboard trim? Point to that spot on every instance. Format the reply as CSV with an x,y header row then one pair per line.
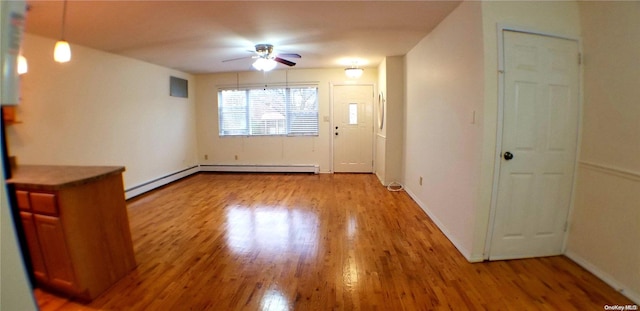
x,y
475,258
463,251
303,168
605,277
159,182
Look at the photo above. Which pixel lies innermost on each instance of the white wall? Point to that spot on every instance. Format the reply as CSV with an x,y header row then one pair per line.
x,y
102,109
605,223
444,87
271,150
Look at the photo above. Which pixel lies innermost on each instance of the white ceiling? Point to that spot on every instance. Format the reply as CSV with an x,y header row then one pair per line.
x,y
196,36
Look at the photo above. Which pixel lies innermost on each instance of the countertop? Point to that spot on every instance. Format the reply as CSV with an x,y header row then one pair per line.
x,y
54,177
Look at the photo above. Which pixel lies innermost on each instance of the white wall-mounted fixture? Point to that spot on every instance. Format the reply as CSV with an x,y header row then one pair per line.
x,y
264,64
353,72
62,51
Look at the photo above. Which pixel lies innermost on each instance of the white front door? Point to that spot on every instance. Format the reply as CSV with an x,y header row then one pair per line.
x,y
539,137
353,128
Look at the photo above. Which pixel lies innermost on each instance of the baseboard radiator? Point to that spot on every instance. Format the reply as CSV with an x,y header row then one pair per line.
x,y
302,168
159,182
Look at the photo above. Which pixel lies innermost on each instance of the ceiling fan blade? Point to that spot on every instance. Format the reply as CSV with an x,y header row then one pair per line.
x,y
290,55
284,61
239,58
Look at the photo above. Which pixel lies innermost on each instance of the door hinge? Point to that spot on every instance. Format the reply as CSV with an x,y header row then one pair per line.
x,y
579,58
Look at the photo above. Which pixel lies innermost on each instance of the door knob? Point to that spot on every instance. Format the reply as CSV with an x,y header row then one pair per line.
x,y
508,155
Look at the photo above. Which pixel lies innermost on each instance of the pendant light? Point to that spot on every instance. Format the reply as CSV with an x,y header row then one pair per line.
x,y
23,67
62,51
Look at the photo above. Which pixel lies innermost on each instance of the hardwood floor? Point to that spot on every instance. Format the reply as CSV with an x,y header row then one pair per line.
x,y
317,242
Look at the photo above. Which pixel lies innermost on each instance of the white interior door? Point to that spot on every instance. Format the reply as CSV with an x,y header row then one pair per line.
x,y
539,137
353,128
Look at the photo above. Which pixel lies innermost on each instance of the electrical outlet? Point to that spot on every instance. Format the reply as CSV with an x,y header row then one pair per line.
x,y
236,157
206,157
420,181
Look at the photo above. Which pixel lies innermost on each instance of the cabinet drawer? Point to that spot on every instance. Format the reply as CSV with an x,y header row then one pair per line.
x,y
44,203
23,200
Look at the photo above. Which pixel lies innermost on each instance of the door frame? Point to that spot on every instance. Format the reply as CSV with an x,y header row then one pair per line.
x,y
500,29
373,118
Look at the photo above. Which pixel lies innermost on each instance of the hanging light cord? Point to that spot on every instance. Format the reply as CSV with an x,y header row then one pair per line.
x,y
64,18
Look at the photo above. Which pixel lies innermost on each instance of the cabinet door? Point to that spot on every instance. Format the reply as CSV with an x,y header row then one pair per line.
x,y
37,262
55,251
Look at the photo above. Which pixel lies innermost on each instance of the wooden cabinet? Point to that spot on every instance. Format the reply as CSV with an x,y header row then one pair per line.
x,y
77,234
48,248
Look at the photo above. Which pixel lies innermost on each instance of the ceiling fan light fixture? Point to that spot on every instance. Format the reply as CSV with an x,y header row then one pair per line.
x,y
353,72
264,64
266,59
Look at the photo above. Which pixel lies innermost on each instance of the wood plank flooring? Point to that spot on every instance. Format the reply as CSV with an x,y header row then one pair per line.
x,y
317,242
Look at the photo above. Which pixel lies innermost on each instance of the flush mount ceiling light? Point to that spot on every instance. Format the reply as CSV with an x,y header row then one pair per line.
x,y
62,51
353,72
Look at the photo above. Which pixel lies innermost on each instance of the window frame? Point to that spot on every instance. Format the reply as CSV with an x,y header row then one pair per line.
x,y
250,107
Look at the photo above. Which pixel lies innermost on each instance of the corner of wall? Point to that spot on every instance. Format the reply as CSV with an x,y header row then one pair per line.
x,y
444,74
452,238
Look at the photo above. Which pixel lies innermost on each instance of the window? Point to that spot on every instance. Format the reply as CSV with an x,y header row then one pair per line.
x,y
353,113
272,111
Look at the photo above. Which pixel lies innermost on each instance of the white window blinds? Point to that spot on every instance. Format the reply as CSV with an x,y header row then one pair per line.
x,y
271,111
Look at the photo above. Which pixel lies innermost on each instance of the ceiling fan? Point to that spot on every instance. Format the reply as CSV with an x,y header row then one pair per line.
x,y
266,59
